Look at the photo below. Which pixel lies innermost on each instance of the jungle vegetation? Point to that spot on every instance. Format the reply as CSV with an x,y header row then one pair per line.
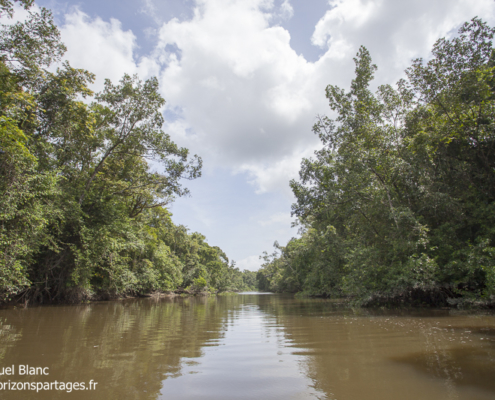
x,y
399,203
82,204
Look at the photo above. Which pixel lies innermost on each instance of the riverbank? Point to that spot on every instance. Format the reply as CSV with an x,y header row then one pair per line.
x,y
85,297
438,298
415,298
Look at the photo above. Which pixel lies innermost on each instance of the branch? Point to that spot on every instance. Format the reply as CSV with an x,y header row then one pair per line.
x,y
388,195
97,169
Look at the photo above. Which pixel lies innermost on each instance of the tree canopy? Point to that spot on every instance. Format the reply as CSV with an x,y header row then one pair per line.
x,y
399,202
85,178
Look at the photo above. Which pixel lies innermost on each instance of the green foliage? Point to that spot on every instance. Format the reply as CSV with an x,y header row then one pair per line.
x,y
200,283
400,199
81,209
26,205
249,280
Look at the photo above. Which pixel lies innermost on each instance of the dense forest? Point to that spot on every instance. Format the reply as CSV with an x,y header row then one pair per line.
x,y
85,180
398,205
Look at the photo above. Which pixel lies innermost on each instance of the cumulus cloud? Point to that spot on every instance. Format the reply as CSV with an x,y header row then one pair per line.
x,y
240,96
243,88
250,100
149,8
276,175
104,48
394,32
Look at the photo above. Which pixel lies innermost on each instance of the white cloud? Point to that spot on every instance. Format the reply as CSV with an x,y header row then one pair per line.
x,y
353,13
394,32
251,263
243,98
103,48
286,10
20,14
250,100
276,175
149,8
242,86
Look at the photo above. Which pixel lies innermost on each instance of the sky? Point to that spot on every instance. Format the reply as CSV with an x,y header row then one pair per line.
x,y
244,81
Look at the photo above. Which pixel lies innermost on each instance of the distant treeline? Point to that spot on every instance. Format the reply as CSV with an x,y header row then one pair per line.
x,y
81,211
398,206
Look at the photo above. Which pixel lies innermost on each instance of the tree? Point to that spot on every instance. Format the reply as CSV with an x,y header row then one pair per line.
x,y
26,194
84,183
399,201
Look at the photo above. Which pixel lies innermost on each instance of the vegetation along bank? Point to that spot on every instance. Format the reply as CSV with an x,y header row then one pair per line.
x,y
398,205
82,214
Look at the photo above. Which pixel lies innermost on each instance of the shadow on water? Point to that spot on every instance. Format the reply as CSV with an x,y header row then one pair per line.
x,y
463,366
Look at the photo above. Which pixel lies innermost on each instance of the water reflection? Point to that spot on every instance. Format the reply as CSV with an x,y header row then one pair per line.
x,y
379,354
251,346
128,347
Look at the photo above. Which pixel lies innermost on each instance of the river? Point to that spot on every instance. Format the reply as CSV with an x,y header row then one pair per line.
x,y
247,346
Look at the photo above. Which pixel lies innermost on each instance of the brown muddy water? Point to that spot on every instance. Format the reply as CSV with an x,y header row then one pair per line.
x,y
248,346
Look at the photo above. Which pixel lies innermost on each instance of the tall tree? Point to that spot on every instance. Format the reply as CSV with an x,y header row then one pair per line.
x,y
400,199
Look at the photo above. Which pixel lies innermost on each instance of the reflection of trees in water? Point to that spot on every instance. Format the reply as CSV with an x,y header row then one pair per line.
x,y
129,347
8,337
368,353
323,359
